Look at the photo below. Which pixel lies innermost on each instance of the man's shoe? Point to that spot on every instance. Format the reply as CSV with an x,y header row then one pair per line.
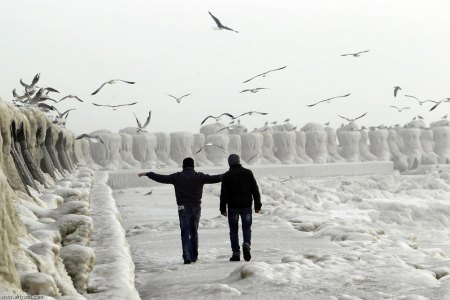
x,y
235,257
187,261
194,260
246,250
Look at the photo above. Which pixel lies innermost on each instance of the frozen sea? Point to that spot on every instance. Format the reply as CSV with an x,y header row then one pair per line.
x,y
360,237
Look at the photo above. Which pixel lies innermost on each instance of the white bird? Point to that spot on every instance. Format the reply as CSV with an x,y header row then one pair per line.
x,y
92,138
396,89
149,193
140,126
255,156
355,54
218,117
420,102
352,120
112,81
114,107
178,99
400,109
70,96
210,144
250,113
219,24
439,102
255,90
33,83
264,74
328,100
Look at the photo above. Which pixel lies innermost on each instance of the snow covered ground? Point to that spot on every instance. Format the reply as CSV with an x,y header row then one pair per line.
x,y
360,237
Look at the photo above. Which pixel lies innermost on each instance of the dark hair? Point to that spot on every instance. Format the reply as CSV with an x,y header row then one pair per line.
x,y
188,162
233,159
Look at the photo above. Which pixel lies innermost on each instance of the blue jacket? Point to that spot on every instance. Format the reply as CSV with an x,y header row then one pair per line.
x,y
188,185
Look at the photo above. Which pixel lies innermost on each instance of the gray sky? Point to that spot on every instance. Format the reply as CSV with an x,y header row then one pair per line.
x,y
172,47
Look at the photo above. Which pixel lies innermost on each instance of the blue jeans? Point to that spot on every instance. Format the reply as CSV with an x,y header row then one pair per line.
x,y
189,219
233,222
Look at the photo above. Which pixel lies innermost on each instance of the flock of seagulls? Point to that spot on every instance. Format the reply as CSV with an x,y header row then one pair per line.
x,y
35,96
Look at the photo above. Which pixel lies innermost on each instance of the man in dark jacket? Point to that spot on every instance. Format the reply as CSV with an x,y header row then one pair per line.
x,y
239,189
188,192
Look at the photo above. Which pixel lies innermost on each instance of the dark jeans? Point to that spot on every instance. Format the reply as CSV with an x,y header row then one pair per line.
x,y
233,222
189,219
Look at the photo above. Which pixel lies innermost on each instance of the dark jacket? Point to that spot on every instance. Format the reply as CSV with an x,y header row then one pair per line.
x,y
239,189
188,184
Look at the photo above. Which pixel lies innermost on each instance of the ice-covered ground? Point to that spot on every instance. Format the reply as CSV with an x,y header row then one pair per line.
x,y
363,237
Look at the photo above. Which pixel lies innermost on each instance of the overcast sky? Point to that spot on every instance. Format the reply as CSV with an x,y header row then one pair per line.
x,y
172,47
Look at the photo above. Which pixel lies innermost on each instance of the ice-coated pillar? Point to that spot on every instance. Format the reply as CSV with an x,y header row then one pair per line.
x,y
316,142
379,145
181,146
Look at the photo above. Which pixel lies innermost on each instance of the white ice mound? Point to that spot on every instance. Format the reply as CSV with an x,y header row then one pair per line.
x,y
284,146
379,145
79,262
316,142
181,146
218,155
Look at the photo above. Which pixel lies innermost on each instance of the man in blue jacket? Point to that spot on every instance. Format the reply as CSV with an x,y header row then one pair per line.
x,y
239,189
188,192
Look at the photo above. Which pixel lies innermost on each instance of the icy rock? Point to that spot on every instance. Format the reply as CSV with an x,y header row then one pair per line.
x,y
426,140
349,142
107,154
181,146
39,284
363,145
316,142
50,262
400,159
284,148
163,149
268,147
215,154
75,229
213,129
410,145
332,147
441,136
235,144
252,148
200,157
79,262
126,152
379,145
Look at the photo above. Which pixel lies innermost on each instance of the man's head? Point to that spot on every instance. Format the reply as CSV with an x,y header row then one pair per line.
x,y
188,162
233,159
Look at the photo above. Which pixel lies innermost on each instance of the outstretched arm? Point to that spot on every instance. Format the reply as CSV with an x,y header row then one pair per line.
x,y
159,177
211,178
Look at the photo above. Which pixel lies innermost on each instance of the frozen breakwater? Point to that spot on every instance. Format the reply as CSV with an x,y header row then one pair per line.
x,y
51,240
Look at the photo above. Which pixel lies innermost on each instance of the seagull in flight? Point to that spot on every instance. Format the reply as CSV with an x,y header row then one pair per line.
x,y
353,120
24,96
439,102
32,84
112,81
400,109
92,138
219,24
218,117
255,90
69,96
140,126
357,54
420,102
210,144
250,113
178,99
255,156
114,107
396,89
264,74
328,100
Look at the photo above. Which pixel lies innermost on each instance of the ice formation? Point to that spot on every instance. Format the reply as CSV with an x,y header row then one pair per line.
x,y
47,179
